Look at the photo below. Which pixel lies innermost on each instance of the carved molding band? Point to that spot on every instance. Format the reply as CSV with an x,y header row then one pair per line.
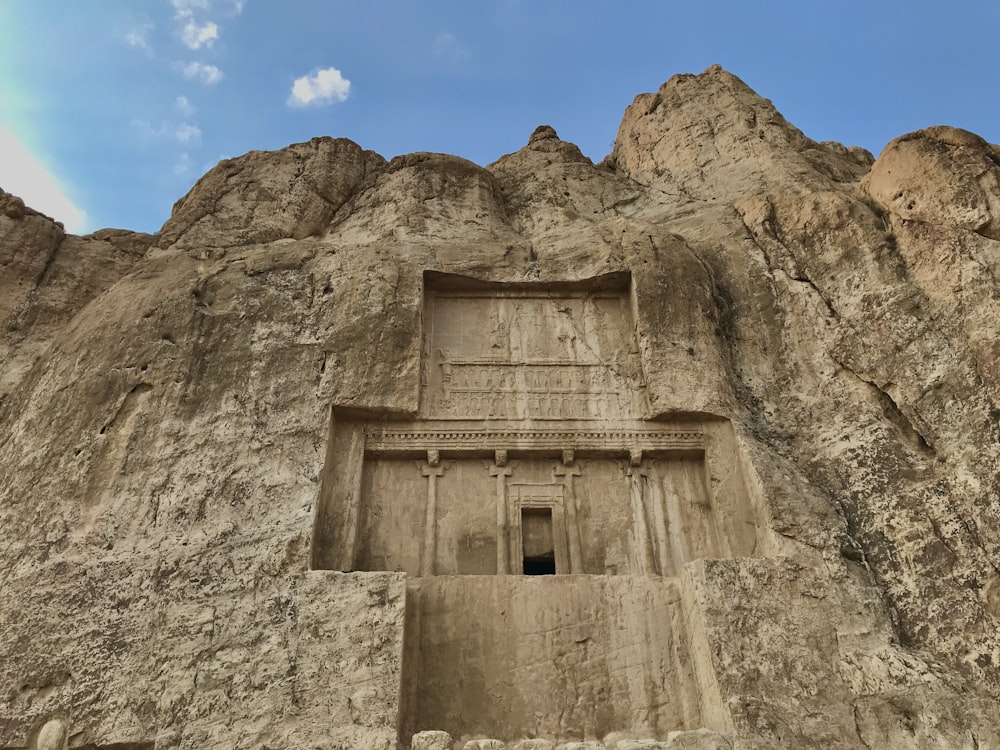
x,y
456,436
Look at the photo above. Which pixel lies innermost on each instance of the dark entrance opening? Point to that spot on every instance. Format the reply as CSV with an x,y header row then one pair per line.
x,y
537,546
540,566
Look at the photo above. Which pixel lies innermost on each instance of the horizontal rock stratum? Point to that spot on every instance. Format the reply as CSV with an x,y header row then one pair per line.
x,y
279,475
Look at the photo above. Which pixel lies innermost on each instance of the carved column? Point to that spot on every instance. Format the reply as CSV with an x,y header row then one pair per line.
x,y
566,472
432,471
501,472
643,544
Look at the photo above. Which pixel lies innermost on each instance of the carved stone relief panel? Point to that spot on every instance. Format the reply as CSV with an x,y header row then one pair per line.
x,y
524,354
530,454
400,530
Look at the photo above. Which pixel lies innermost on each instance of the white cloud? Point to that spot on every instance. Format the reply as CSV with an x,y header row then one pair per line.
x,y
26,177
138,37
322,87
187,133
196,37
447,46
183,165
239,5
183,105
147,130
207,74
191,32
184,133
184,9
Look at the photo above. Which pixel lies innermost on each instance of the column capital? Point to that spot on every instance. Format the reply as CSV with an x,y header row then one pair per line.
x,y
432,471
562,470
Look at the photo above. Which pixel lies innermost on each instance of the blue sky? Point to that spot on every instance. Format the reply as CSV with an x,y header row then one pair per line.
x,y
111,109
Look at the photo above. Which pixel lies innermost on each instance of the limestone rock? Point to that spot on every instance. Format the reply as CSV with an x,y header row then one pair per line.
x,y
52,736
47,277
734,394
710,137
266,196
431,740
557,198
698,739
485,745
433,200
533,744
940,175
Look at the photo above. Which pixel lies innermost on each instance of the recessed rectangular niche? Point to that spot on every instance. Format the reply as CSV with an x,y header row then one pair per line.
x,y
532,401
531,351
467,515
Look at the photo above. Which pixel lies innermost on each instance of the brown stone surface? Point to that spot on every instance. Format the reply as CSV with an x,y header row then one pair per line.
x,y
46,278
186,423
563,659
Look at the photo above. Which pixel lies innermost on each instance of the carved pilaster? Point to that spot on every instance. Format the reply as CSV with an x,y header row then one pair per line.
x,y
432,470
566,472
501,472
643,542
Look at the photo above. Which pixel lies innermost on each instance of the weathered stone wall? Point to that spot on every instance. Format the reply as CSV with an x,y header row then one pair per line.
x,y
564,658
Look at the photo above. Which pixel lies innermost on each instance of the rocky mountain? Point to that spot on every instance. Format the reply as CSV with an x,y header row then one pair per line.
x,y
205,435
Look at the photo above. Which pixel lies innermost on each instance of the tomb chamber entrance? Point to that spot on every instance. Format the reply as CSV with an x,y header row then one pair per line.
x,y
542,517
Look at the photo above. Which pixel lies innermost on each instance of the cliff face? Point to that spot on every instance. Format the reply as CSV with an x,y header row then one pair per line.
x,y
169,408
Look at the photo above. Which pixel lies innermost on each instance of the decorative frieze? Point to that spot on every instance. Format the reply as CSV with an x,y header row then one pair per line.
x,y
530,355
452,436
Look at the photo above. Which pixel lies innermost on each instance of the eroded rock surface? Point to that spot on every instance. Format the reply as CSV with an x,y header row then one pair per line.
x,y
173,409
47,277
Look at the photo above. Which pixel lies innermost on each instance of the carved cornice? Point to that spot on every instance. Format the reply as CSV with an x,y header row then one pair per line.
x,y
477,436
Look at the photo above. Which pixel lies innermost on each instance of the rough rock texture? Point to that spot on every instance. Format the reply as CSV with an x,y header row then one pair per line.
x,y
165,407
634,654
698,739
431,740
46,277
265,196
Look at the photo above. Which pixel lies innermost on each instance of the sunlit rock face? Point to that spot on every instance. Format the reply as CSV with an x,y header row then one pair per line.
x,y
693,448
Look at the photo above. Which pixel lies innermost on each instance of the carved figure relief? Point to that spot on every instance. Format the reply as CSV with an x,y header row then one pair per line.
x,y
530,354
